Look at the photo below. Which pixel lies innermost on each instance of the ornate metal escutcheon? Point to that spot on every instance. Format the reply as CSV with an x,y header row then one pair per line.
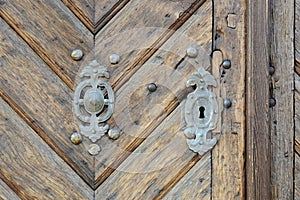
x,y
93,101
201,112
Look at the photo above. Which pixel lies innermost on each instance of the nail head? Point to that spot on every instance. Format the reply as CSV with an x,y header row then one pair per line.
x,y
226,64
152,87
191,52
76,138
227,103
77,54
272,102
94,149
271,70
114,58
114,134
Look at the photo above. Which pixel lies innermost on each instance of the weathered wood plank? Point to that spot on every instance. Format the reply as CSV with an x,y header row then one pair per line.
x,y
282,132
196,184
297,177
31,167
297,107
138,112
6,193
152,165
297,35
41,99
51,30
228,172
149,25
84,10
105,10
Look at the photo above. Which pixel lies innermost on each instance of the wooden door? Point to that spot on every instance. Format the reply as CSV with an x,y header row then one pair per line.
x,y
150,159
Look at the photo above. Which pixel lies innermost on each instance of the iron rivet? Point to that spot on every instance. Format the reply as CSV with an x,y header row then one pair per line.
x,y
114,58
271,70
272,102
226,64
94,149
227,103
76,138
114,134
191,52
77,54
152,87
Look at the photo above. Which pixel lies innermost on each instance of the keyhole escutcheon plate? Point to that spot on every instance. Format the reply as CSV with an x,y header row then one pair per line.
x,y
201,112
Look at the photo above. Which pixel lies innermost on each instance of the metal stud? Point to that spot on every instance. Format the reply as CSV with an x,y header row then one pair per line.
x,y
152,87
76,138
272,102
114,58
94,149
77,54
191,52
226,64
227,103
271,70
114,134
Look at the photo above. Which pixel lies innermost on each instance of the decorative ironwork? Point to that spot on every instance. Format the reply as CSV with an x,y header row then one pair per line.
x,y
93,101
201,112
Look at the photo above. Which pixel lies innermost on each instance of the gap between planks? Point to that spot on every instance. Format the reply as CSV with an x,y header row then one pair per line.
x,y
31,122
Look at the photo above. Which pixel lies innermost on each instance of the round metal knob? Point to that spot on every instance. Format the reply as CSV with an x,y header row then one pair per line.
x,y
93,100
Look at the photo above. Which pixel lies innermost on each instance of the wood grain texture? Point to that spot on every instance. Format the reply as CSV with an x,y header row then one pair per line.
x,y
31,167
51,30
297,107
6,193
105,10
297,35
169,68
258,162
84,10
146,34
41,99
152,165
282,119
196,184
297,177
228,172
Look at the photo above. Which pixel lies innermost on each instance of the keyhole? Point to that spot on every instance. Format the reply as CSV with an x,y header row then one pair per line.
x,y
201,110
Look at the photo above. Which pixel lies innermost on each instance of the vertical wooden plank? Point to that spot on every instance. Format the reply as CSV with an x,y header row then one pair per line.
x,y
282,132
229,43
258,132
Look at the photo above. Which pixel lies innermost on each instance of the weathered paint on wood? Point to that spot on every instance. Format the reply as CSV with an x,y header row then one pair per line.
x,y
6,193
144,111
51,30
196,184
30,167
282,89
228,157
41,99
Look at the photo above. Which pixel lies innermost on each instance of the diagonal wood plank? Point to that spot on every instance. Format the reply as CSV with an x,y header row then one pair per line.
x,y
30,167
144,111
84,10
297,107
41,99
157,161
6,193
196,184
51,30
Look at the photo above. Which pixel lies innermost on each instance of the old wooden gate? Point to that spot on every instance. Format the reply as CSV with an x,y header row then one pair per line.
x,y
149,50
